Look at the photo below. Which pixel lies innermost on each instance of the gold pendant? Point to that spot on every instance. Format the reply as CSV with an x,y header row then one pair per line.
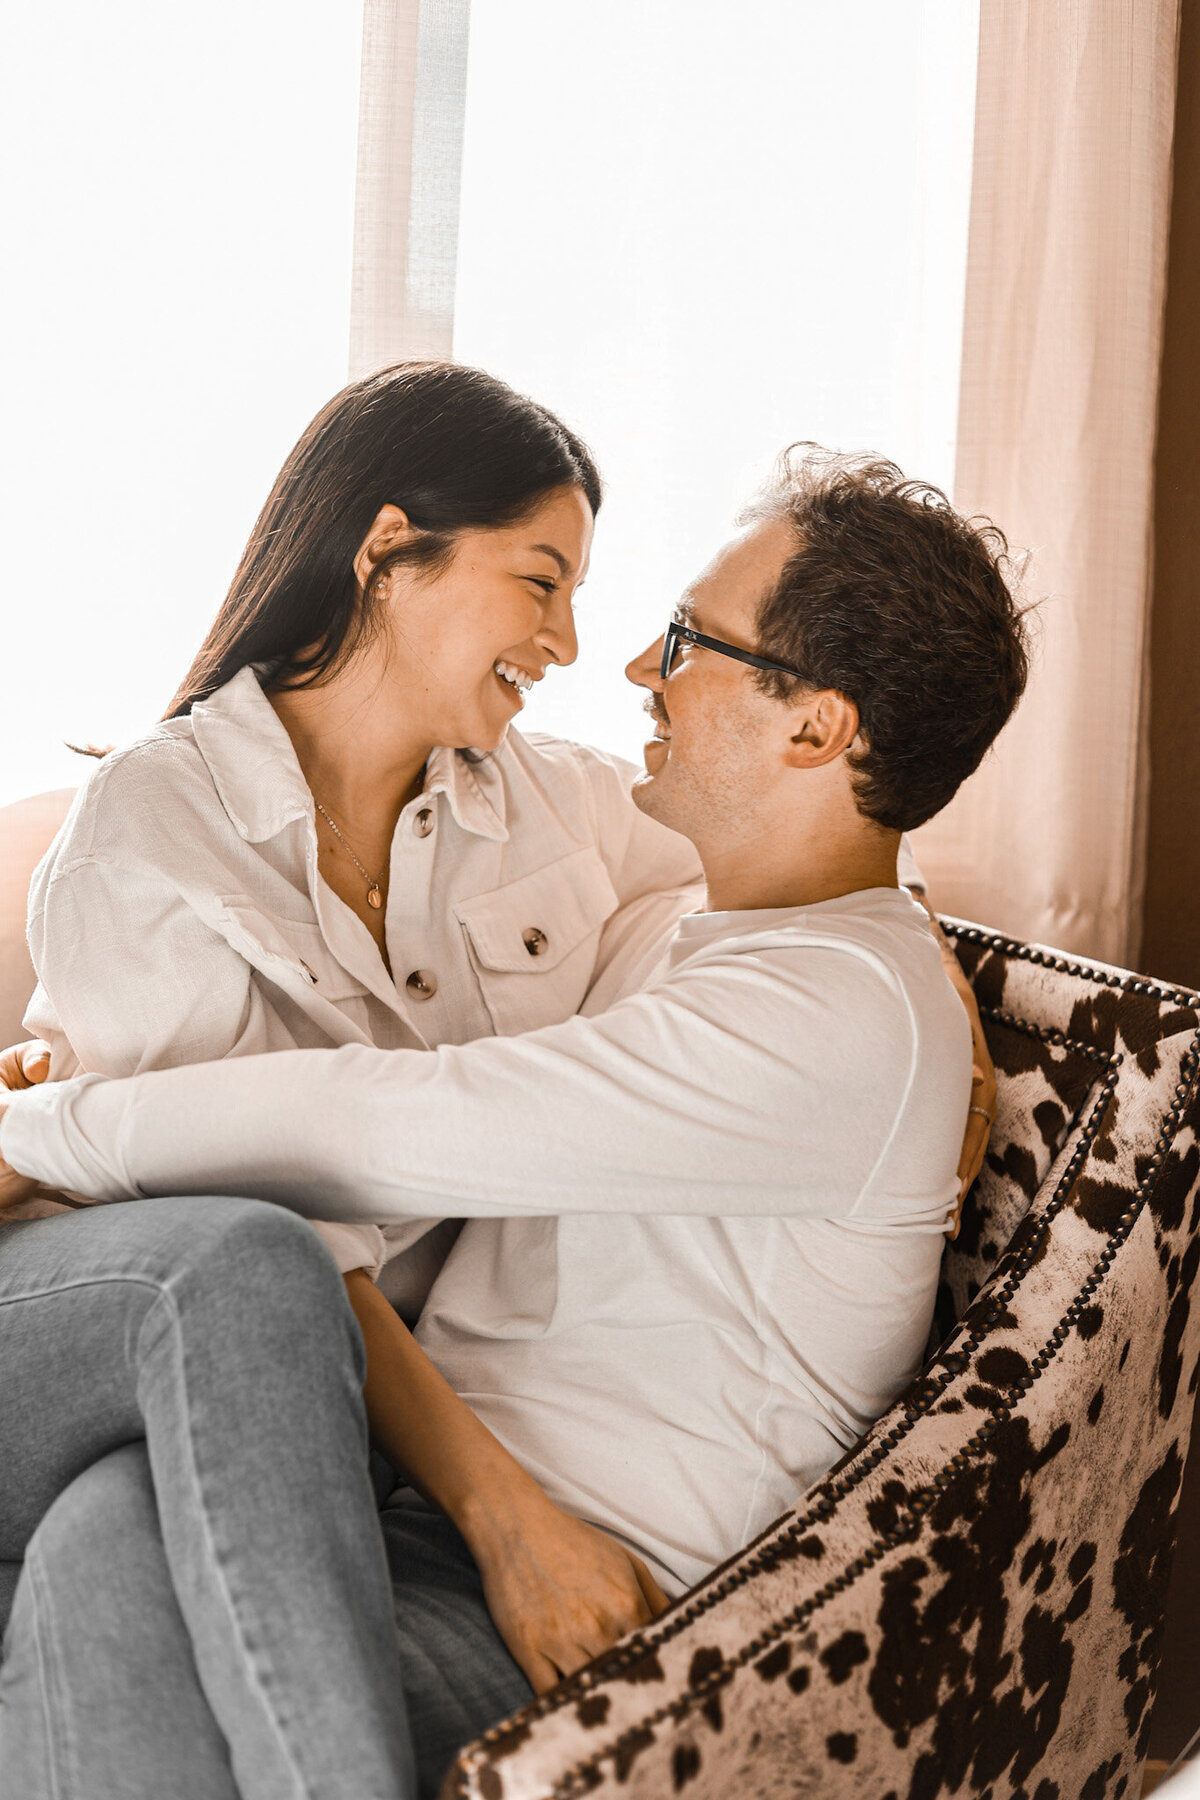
x,y
374,897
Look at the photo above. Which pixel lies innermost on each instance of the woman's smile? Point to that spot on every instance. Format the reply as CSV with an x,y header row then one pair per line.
x,y
517,682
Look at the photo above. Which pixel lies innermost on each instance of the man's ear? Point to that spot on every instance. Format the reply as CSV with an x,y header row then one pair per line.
x,y
824,726
388,530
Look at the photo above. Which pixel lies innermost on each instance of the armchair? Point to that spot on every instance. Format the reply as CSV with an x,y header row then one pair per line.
x,y
972,1600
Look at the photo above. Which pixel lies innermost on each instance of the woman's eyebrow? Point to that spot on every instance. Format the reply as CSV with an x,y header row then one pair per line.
x,y
554,555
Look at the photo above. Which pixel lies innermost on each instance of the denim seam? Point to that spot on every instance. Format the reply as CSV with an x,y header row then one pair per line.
x,y
50,1687
168,1302
85,1281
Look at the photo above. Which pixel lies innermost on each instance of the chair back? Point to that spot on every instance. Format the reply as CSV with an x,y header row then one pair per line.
x,y
27,829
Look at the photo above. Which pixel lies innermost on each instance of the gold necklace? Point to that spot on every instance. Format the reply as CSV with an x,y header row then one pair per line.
x,y
374,897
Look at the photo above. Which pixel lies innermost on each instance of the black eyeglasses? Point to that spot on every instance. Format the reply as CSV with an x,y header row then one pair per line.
x,y
676,631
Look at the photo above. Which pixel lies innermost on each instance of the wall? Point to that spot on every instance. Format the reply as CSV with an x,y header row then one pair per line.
x,y
1171,930
1171,944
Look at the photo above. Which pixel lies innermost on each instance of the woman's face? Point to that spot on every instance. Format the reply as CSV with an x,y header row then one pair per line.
x,y
460,649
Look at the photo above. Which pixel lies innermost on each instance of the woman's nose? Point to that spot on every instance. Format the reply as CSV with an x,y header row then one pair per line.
x,y
644,670
557,636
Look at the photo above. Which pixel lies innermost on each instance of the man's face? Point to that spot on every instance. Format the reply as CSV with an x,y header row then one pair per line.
x,y
715,754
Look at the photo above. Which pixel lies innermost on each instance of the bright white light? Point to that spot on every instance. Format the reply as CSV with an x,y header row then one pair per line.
x,y
697,230
700,231
177,229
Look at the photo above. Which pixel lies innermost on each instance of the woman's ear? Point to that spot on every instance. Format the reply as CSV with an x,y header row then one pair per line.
x,y
388,530
824,727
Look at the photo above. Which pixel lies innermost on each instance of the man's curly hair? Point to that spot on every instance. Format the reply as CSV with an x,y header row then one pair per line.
x,y
895,601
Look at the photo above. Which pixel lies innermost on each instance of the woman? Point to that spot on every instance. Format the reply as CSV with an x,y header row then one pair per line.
x,y
300,856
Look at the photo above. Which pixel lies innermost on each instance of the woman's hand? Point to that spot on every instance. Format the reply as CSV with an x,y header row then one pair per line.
x,y
981,1115
559,1591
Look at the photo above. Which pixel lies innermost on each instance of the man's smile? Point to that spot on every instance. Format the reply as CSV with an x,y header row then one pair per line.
x,y
658,712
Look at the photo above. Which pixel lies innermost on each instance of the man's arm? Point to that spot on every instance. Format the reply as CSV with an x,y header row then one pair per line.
x,y
712,1094
21,1066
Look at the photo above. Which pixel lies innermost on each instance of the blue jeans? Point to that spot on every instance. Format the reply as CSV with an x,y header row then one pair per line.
x,y
204,1606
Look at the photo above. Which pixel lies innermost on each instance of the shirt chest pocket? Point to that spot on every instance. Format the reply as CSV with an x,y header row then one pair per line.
x,y
293,956
533,942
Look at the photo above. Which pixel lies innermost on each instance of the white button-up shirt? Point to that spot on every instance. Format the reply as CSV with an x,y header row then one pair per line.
x,y
180,917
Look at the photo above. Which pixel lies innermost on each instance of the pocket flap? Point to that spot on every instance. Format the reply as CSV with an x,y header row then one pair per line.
x,y
530,925
285,946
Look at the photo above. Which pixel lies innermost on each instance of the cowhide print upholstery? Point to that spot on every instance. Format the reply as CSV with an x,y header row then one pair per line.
x,y
971,1603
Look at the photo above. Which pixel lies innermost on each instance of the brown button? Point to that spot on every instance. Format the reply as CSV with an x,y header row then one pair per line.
x,y
422,984
535,941
423,823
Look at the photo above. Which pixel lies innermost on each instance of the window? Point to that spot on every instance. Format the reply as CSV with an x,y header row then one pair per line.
x,y
178,228
700,231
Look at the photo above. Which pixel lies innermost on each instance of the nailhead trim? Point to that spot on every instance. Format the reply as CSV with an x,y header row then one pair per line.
x,y
1106,977
573,1782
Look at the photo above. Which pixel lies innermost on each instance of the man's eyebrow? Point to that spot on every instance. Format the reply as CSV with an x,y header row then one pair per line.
x,y
685,612
554,555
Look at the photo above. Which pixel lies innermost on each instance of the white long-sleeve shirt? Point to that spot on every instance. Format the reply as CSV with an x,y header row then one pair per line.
x,y
704,1227
180,917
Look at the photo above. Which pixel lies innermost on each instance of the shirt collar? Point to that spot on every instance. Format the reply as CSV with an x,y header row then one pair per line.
x,y
474,790
254,768
695,931
250,758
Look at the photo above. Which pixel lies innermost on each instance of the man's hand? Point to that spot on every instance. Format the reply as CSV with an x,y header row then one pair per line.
x,y
21,1066
560,1591
24,1065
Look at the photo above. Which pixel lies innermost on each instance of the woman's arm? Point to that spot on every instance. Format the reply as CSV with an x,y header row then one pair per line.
x,y
558,1590
655,873
131,979
981,1115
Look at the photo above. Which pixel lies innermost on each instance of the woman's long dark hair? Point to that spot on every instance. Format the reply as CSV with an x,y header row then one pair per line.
x,y
453,447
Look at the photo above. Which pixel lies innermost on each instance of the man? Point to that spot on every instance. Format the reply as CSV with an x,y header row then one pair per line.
x,y
704,1225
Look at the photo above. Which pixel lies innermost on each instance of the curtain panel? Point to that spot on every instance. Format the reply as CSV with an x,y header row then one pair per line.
x,y
1061,350
410,139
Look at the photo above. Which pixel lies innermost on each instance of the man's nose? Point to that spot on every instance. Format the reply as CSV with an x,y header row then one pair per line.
x,y
556,635
643,671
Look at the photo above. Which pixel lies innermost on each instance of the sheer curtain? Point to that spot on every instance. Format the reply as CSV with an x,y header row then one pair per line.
x,y
1062,341
697,231
414,65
